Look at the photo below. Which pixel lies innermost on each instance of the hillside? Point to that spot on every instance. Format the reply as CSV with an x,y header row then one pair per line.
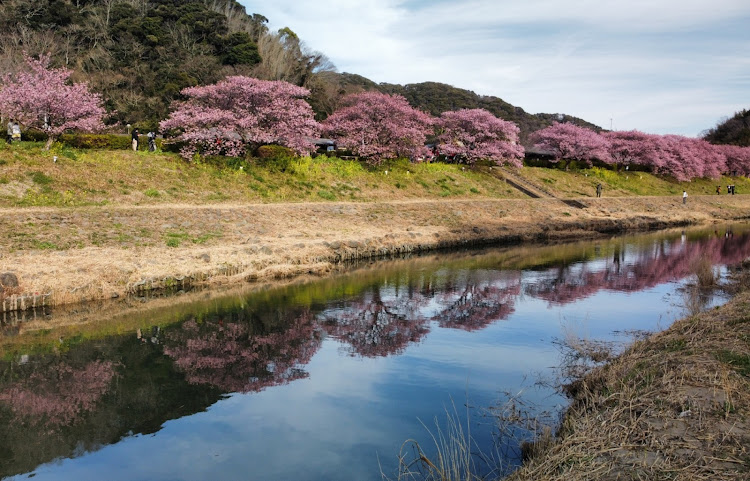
x,y
140,54
436,98
733,131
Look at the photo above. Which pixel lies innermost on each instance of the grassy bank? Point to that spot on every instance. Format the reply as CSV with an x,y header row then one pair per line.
x,y
673,406
101,224
30,177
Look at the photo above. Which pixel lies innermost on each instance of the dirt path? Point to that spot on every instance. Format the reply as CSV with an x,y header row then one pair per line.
x,y
84,254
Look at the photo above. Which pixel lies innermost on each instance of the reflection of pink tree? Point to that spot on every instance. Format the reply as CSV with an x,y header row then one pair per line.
x,y
666,262
377,325
59,394
478,306
233,358
386,321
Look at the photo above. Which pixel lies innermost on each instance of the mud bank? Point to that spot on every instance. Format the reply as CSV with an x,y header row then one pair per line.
x,y
66,256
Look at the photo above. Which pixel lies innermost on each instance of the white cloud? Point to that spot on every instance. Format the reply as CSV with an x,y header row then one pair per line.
x,y
666,66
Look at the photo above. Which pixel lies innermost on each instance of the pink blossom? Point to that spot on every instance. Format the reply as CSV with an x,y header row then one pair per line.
x,y
477,134
240,112
42,98
378,126
571,142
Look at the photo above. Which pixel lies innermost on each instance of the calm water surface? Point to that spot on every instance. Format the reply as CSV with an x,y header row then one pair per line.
x,y
326,380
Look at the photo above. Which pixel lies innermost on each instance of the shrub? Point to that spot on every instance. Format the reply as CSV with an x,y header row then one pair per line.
x,y
91,141
275,157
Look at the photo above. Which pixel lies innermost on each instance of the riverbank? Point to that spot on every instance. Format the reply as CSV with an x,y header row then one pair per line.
x,y
93,253
673,406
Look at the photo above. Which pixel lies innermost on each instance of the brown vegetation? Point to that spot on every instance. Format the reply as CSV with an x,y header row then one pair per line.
x,y
101,252
673,406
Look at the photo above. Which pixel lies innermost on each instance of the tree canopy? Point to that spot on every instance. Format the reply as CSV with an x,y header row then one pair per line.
x,y
238,113
43,98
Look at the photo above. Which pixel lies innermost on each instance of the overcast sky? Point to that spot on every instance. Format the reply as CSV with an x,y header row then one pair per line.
x,y
660,66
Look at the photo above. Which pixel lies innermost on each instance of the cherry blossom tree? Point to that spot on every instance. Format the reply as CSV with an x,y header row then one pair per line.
x,y
378,126
631,147
571,142
42,97
476,134
241,113
738,159
686,158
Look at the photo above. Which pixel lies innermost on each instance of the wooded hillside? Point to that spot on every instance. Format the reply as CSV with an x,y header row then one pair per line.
x,y
139,54
732,131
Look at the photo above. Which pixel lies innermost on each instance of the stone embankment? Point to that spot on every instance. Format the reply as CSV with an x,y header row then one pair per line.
x,y
63,256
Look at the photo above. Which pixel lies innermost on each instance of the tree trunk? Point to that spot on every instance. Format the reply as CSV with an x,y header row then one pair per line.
x,y
50,140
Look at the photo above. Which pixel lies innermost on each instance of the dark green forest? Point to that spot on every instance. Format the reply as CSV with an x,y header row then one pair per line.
x,y
139,54
733,131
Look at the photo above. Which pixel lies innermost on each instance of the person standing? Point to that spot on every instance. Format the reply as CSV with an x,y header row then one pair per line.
x,y
684,197
10,132
718,190
151,141
598,190
134,139
16,132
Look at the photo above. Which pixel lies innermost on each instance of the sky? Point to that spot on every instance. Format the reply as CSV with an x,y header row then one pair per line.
x,y
659,66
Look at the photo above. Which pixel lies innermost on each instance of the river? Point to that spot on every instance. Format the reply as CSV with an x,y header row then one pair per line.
x,y
326,380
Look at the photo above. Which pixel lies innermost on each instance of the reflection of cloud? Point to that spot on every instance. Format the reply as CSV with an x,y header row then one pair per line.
x,y
591,59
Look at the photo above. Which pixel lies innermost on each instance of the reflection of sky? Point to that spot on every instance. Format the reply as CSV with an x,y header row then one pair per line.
x,y
350,411
353,411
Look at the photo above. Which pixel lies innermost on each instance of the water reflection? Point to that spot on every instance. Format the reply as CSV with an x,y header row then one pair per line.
x,y
67,397
236,355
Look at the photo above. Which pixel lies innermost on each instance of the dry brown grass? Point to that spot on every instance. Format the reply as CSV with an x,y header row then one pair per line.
x,y
96,252
673,406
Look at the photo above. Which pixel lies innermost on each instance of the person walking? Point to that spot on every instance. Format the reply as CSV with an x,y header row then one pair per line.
x,y
598,190
684,197
134,139
718,190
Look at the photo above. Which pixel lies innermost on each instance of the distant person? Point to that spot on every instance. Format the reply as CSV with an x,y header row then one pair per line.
x,y
151,141
598,190
16,132
729,189
684,197
10,132
732,189
718,190
134,139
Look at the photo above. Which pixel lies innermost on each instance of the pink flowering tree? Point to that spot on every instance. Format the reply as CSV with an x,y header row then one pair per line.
x,y
43,98
378,126
686,158
631,147
570,142
475,134
239,114
738,159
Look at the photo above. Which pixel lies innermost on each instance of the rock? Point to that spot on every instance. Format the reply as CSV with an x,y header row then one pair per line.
x,y
205,257
8,279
